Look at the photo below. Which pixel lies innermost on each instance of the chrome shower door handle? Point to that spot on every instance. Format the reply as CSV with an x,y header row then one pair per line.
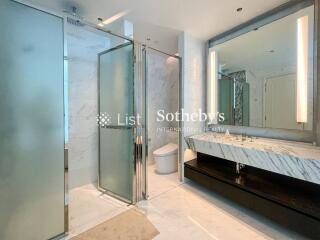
x,y
118,127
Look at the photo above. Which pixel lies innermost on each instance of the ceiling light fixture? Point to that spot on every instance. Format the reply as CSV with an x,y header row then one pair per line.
x,y
115,17
112,19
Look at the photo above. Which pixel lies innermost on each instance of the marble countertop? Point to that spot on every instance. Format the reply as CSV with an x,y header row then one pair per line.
x,y
291,148
296,159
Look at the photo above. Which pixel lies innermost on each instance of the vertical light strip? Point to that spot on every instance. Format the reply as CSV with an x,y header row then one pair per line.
x,y
212,83
302,70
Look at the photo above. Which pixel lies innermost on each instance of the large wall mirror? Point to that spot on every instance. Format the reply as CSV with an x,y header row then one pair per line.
x,y
264,78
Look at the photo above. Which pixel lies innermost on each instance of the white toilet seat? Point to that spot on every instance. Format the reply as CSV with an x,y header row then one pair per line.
x,y
165,150
166,158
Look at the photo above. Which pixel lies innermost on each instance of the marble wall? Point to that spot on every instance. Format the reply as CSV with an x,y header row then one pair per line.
x,y
193,53
82,48
163,94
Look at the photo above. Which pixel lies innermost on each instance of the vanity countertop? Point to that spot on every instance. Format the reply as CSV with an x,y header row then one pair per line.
x,y
295,159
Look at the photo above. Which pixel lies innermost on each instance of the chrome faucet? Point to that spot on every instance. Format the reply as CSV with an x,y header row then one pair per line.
x,y
239,166
243,137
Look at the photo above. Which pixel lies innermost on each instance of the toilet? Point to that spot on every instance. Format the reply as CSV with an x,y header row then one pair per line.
x,y
166,158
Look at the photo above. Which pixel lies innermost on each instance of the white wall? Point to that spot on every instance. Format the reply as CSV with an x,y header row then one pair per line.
x,y
193,53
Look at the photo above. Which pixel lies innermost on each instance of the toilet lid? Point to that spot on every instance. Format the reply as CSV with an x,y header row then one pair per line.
x,y
166,150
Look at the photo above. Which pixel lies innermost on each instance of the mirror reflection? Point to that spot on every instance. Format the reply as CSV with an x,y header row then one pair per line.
x,y
265,77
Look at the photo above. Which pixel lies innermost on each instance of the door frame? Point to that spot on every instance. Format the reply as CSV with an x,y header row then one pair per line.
x,y
180,123
133,129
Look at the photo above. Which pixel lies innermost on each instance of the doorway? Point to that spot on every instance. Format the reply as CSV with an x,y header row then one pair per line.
x,y
89,53
163,84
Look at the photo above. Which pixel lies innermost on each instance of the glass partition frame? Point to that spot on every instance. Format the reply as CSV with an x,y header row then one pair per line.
x,y
143,144
180,123
128,128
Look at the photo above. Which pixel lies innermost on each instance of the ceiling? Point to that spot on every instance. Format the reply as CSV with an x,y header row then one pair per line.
x,y
163,20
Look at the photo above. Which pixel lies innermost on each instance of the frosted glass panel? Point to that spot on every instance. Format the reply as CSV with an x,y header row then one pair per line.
x,y
31,124
116,83
116,99
116,161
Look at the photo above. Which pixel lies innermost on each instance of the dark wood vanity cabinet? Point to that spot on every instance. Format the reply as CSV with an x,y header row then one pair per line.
x,y
291,202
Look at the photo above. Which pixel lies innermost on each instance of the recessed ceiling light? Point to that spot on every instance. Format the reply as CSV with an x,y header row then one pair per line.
x,y
239,9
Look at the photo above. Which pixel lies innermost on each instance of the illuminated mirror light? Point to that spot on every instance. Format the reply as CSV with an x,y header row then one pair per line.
x,y
212,83
302,69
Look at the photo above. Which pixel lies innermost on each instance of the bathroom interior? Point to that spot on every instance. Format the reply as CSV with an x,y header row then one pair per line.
x,y
86,161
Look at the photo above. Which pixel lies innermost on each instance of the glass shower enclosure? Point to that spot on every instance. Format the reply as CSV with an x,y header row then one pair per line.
x,y
32,194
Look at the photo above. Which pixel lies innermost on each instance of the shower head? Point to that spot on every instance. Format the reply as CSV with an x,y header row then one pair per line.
x,y
74,18
75,22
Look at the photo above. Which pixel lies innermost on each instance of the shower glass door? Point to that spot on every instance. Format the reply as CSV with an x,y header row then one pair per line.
x,y
116,130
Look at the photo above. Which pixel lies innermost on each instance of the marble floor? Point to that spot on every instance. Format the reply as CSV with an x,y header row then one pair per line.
x,y
159,184
179,211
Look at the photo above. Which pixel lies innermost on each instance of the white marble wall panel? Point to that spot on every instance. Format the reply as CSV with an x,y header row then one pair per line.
x,y
193,54
83,47
294,159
